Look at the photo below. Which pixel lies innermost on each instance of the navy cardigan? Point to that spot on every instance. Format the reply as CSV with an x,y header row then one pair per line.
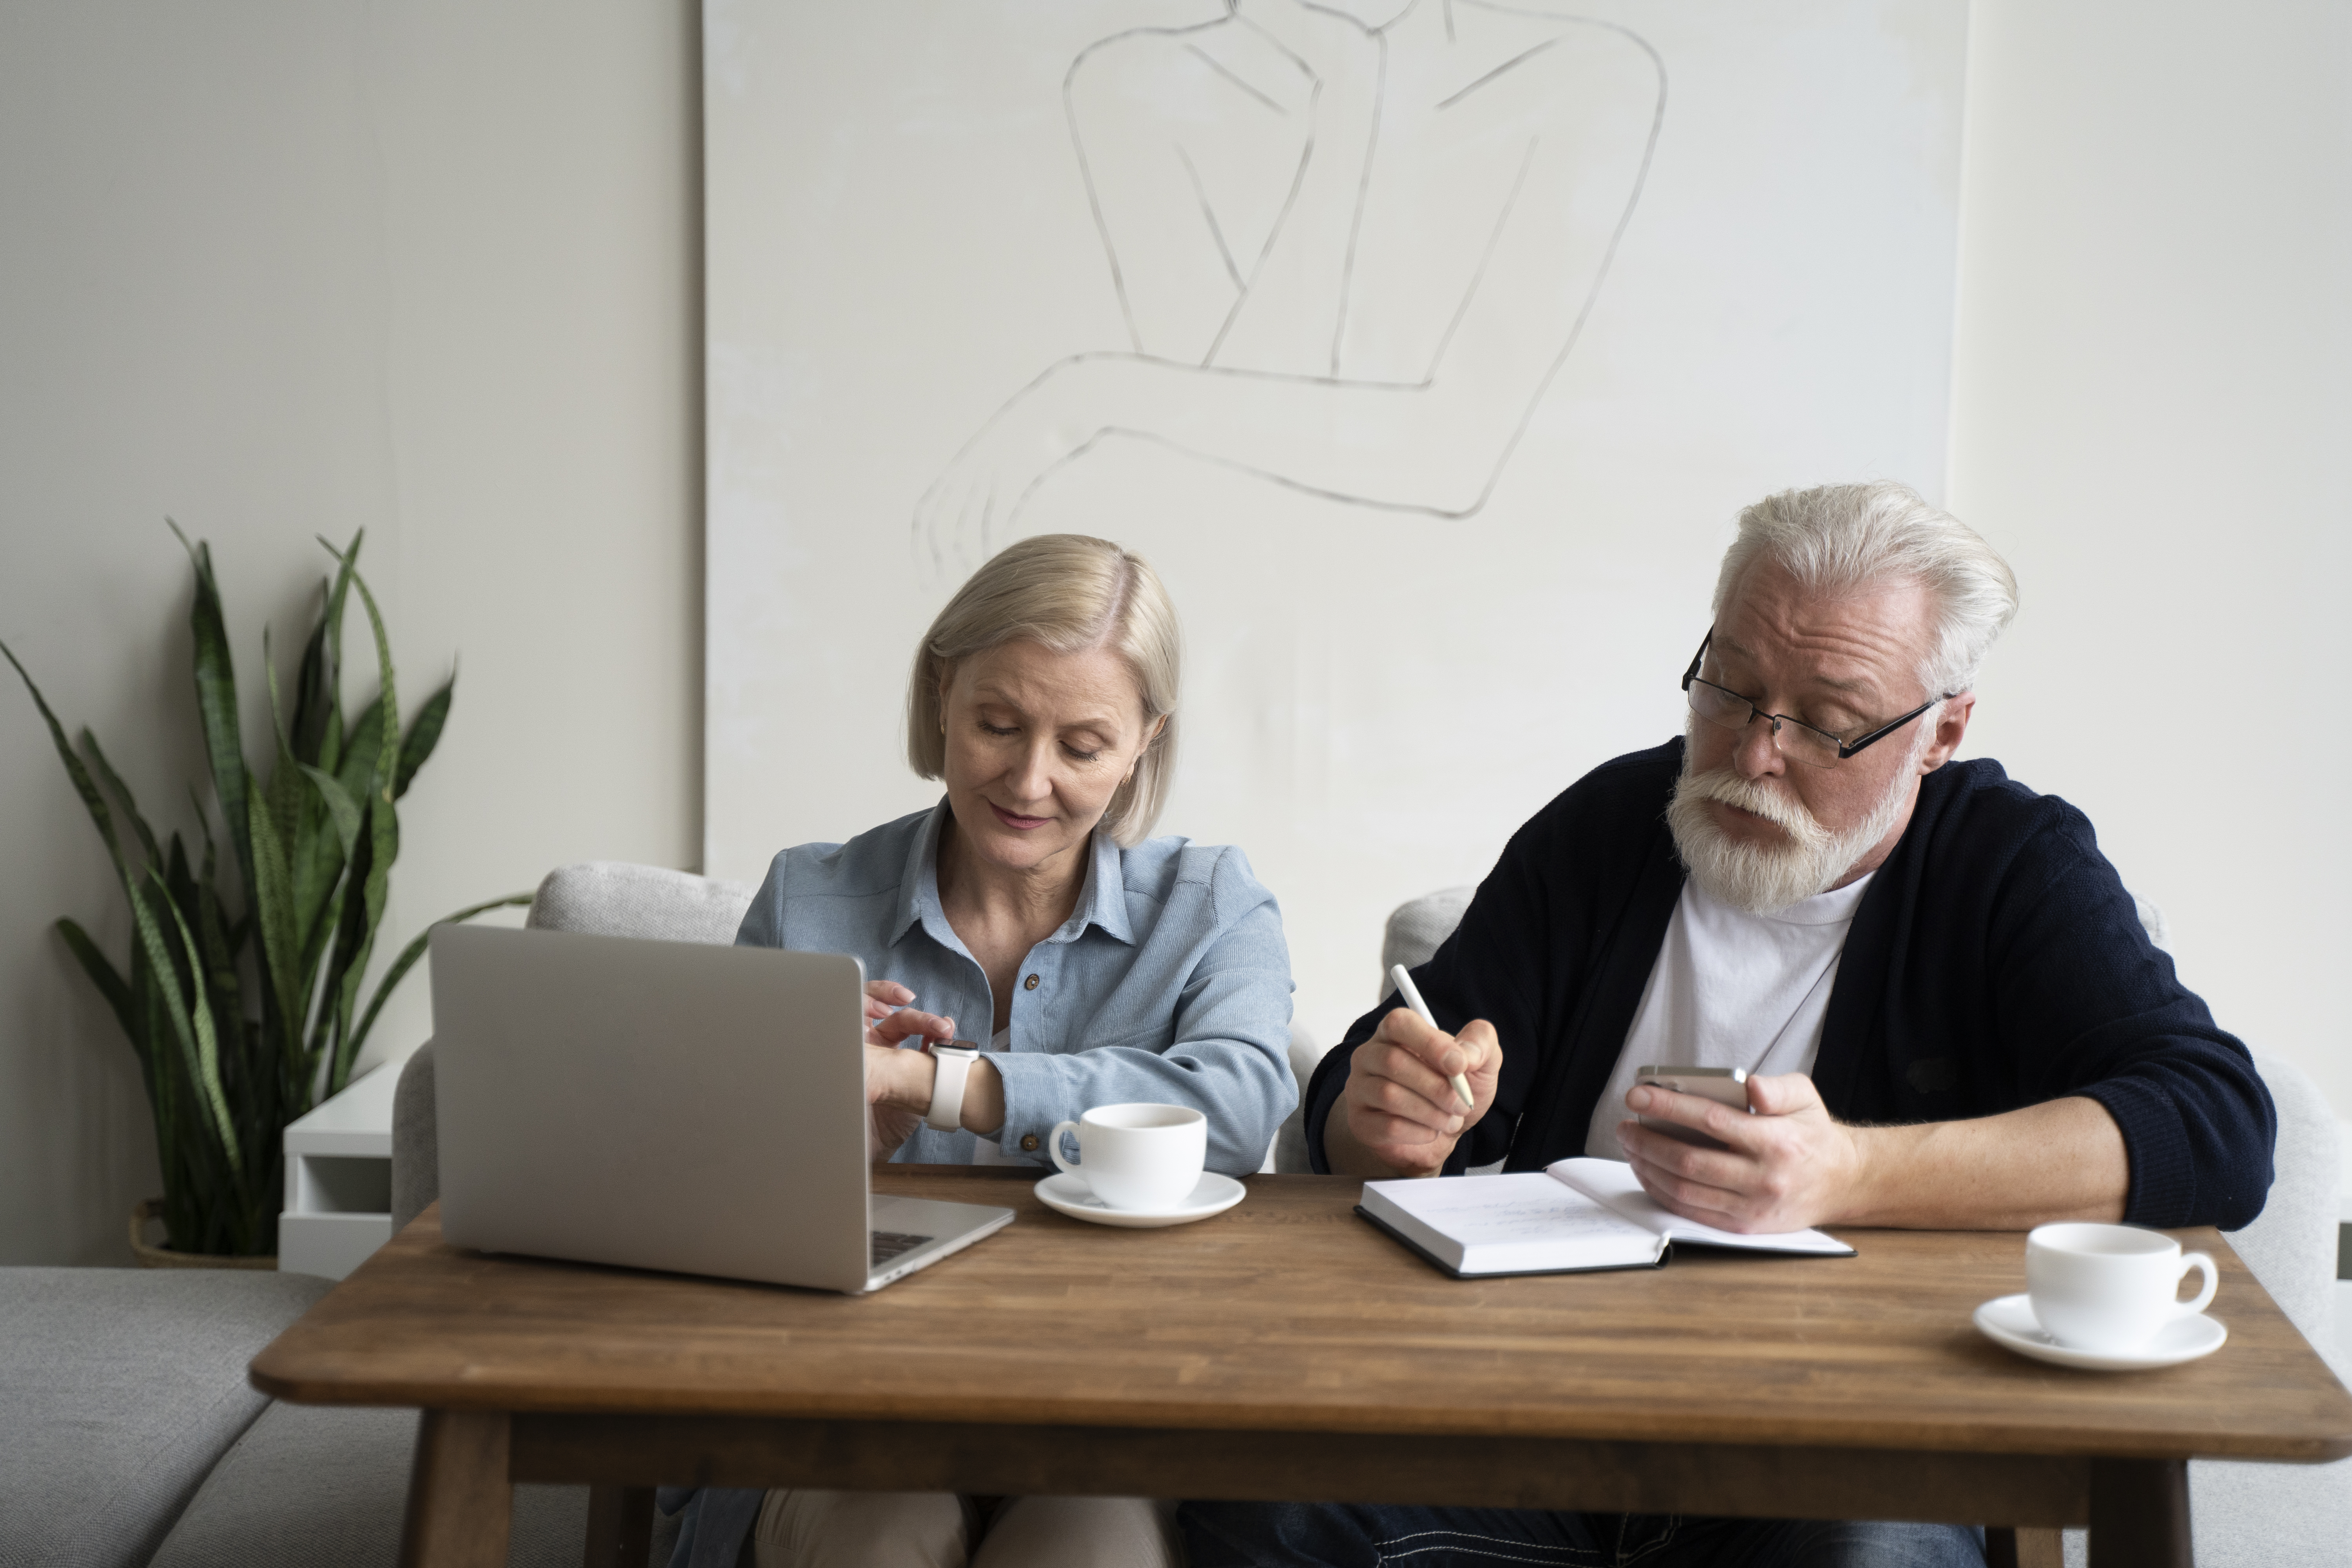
x,y
1996,962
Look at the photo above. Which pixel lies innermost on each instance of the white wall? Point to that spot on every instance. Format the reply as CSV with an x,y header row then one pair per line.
x,y
279,268
2151,416
432,268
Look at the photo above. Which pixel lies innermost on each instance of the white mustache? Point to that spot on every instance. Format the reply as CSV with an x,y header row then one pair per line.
x,y
1722,785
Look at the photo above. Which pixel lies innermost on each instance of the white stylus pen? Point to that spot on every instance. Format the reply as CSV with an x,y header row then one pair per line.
x,y
1412,995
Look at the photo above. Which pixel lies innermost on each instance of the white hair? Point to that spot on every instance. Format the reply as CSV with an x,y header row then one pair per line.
x,y
1837,539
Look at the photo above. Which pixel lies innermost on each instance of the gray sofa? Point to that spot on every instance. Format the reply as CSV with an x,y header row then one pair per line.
x,y
131,1436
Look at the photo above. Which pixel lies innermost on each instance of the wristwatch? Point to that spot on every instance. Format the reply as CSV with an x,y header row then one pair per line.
x,y
954,1059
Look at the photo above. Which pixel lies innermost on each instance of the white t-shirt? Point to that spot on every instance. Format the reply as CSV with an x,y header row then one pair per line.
x,y
1731,990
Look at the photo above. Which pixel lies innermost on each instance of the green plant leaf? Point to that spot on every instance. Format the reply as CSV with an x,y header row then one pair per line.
x,y
314,858
333,926
365,744
102,974
207,1042
423,733
215,673
273,901
347,561
415,951
104,773
163,1091
319,694
387,698
226,988
384,841
202,1065
312,704
348,818
92,802
384,847
341,809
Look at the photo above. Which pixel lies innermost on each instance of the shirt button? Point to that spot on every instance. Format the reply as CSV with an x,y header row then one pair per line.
x,y
1030,984
1029,1143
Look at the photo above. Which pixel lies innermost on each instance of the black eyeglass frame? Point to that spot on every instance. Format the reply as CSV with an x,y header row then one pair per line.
x,y
1845,749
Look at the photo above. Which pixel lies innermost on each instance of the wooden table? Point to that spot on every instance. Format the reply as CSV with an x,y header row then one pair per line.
x,y
1288,1350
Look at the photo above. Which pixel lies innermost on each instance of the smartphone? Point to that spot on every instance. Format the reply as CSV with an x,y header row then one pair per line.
x,y
1725,1086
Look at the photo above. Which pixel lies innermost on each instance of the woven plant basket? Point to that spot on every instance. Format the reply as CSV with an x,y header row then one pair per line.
x,y
165,1258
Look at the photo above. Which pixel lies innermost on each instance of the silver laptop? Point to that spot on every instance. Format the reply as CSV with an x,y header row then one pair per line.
x,y
668,1105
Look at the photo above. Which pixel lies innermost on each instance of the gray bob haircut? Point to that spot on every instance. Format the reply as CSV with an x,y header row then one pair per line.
x,y
1067,593
1836,539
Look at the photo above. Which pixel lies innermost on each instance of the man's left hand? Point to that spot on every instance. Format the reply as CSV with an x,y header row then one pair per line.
x,y
1787,1167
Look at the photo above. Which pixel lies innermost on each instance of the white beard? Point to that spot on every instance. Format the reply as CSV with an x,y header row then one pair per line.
x,y
1764,879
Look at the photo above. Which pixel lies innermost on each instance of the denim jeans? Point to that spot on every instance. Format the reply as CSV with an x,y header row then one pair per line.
x,y
1340,1535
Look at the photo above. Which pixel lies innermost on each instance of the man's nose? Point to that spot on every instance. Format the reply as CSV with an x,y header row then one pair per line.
x,y
1755,754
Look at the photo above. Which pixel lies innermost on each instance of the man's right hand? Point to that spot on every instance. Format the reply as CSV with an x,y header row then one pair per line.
x,y
1399,1115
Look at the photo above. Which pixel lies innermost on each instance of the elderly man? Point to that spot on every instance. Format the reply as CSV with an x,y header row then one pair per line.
x,y
1949,1013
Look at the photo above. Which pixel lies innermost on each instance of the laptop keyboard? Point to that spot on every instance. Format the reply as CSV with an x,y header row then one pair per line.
x,y
890,1244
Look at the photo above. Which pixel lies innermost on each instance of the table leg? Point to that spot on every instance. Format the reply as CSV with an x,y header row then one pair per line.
x,y
620,1527
2139,1513
460,1499
2024,1546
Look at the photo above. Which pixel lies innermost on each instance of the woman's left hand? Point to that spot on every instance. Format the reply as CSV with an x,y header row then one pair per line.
x,y
897,1077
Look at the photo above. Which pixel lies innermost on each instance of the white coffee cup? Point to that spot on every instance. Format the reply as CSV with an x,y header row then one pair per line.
x,y
1136,1156
2109,1286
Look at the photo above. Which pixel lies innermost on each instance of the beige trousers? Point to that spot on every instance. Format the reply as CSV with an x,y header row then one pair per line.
x,y
802,1529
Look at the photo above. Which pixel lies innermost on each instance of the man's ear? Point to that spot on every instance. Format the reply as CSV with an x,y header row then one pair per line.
x,y
1951,727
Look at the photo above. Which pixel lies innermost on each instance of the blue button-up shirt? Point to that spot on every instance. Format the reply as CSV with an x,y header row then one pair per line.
x,y
1169,982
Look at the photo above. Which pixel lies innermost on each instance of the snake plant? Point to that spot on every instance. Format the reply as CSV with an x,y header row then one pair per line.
x,y
242,997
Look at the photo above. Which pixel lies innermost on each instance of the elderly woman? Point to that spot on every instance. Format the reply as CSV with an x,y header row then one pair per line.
x,y
1028,910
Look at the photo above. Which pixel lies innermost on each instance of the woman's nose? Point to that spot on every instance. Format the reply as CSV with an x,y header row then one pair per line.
x,y
1034,777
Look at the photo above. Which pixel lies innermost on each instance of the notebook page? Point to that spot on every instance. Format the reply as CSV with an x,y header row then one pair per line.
x,y
1612,1183
1521,1221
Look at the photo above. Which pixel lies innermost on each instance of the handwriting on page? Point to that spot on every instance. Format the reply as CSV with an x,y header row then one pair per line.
x,y
1530,1208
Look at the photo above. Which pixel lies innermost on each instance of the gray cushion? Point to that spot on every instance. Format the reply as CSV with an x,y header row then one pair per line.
x,y
612,898
119,1388
320,1486
1417,929
1413,932
416,1140
2258,1516
2291,1245
1288,1154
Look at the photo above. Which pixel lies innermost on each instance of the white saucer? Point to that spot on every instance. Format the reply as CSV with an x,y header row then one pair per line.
x,y
1069,1194
2008,1321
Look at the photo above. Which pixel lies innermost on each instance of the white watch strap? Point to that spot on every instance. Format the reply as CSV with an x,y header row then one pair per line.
x,y
954,1063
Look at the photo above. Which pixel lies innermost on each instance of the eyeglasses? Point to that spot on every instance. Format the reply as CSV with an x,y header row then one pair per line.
x,y
1721,706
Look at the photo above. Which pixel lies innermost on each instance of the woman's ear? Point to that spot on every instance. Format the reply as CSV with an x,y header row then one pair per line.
x,y
1159,728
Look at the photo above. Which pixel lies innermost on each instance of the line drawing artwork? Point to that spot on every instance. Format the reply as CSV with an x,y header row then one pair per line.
x,y
1352,244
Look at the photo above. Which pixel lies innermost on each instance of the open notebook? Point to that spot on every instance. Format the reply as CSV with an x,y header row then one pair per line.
x,y
1570,1217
